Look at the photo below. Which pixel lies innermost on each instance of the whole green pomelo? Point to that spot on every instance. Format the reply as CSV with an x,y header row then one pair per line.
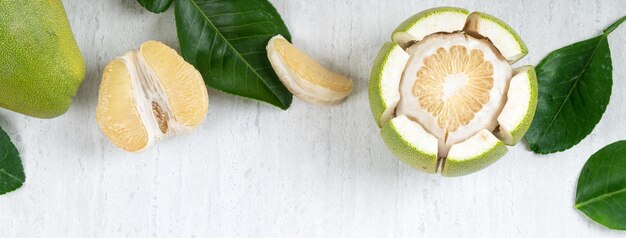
x,y
41,66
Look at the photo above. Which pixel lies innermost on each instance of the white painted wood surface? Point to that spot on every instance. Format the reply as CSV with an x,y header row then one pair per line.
x,y
252,170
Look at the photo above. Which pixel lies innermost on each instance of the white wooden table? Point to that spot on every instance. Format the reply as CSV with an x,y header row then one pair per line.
x,y
252,170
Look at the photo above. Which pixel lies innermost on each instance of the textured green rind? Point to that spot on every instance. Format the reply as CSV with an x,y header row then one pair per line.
x,y
11,170
406,152
411,21
41,66
156,6
454,167
571,79
375,91
521,129
226,41
601,190
508,28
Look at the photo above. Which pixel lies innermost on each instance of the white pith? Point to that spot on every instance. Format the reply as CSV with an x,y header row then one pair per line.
x,y
147,89
391,73
445,21
483,119
453,84
515,110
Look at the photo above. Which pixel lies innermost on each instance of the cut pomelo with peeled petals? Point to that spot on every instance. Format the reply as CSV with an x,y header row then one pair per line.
x,y
411,144
474,154
384,80
458,102
148,95
502,35
519,111
305,77
434,20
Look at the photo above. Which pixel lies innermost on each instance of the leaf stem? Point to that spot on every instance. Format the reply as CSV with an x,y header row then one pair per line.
x,y
614,25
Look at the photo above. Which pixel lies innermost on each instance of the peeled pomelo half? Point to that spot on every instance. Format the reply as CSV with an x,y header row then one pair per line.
x,y
383,90
456,92
454,85
411,143
518,112
434,20
149,94
305,77
502,35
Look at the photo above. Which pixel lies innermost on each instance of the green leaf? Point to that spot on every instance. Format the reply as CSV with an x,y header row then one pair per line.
x,y
601,192
575,85
11,171
226,39
156,6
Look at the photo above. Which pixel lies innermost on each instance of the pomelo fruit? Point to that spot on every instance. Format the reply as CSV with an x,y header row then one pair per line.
x,y
446,95
41,66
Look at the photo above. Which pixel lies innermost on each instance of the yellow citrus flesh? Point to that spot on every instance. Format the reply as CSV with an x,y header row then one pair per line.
x,y
458,109
117,113
186,93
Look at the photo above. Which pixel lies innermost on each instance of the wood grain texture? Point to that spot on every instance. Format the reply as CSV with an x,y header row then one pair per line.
x,y
252,170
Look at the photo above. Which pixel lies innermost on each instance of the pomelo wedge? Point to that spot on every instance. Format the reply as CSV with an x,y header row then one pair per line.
x,y
519,111
502,35
434,20
474,154
411,144
384,80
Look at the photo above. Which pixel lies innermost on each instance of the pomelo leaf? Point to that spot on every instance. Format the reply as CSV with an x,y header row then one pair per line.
x,y
11,171
601,191
574,90
226,39
156,6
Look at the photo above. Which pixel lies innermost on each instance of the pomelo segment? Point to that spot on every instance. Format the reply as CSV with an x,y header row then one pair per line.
x,y
186,95
305,77
472,155
117,112
519,111
408,141
384,80
422,24
502,35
